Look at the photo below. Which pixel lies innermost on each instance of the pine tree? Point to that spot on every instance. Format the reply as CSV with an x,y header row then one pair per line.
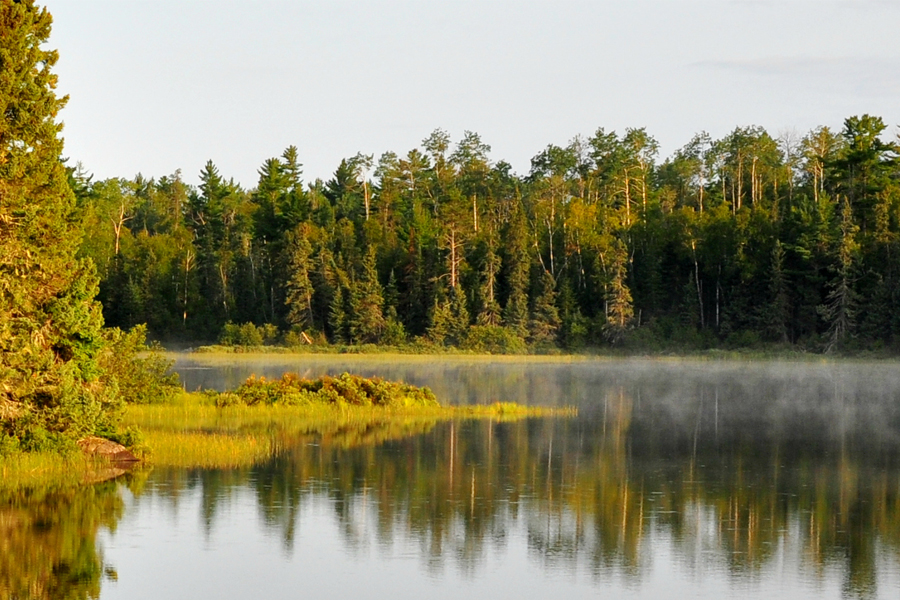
x,y
366,319
839,310
300,291
545,316
50,324
620,309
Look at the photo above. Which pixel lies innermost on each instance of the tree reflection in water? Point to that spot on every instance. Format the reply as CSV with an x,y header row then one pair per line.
x,y
732,485
48,537
734,474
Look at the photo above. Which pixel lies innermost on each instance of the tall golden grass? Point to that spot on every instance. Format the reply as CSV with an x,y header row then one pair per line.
x,y
191,432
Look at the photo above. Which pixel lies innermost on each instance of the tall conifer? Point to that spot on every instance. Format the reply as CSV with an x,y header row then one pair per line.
x,y
50,325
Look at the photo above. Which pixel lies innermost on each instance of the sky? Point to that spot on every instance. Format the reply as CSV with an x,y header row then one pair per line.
x,y
161,85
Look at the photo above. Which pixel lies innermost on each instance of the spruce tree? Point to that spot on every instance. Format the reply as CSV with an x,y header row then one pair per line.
x,y
545,316
619,303
366,319
50,325
300,291
515,313
776,315
459,312
839,310
490,309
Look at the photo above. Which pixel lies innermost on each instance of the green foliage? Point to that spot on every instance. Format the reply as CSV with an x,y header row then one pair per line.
x,y
493,339
599,245
52,391
248,334
346,389
545,316
140,373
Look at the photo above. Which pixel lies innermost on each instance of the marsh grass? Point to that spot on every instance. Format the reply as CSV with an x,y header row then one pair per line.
x,y
200,449
193,432
41,469
765,352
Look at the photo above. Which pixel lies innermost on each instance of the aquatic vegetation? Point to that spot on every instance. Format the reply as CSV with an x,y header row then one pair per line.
x,y
261,417
208,450
35,469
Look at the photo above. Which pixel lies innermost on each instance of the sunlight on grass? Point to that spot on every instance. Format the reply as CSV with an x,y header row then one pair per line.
x,y
205,450
192,432
49,468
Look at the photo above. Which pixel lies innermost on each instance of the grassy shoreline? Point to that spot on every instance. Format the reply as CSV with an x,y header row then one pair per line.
x,y
213,353
253,423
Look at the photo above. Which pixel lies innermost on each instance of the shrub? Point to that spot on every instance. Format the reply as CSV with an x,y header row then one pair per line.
x,y
139,372
293,390
493,339
248,334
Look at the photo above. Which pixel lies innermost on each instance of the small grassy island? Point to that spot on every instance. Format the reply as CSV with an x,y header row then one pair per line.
x,y
211,429
240,427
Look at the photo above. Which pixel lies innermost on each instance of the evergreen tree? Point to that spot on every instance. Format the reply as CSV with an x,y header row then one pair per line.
x,y
366,319
515,313
440,320
337,315
459,316
490,308
50,326
839,310
573,325
620,311
776,314
299,287
545,316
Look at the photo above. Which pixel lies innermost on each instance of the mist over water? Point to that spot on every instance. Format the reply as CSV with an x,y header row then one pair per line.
x,y
804,401
676,479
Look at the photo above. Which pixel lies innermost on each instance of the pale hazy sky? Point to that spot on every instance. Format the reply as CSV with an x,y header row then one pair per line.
x,y
161,85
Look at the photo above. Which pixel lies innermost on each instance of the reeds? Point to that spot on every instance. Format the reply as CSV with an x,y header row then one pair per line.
x,y
193,432
33,469
199,449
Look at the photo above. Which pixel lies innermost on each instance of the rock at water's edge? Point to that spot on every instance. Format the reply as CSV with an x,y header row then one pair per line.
x,y
97,446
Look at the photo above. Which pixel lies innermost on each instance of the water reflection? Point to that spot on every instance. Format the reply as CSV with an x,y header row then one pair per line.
x,y
763,479
721,484
48,538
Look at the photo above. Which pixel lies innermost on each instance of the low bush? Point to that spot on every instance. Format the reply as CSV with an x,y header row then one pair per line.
x,y
248,334
346,389
493,339
140,372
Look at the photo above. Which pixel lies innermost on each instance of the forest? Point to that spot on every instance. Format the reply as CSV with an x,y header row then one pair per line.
x,y
745,241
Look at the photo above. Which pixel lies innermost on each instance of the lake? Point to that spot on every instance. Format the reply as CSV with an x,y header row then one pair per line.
x,y
678,478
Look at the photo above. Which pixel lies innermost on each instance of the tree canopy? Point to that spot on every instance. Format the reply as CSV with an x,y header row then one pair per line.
x,y
739,241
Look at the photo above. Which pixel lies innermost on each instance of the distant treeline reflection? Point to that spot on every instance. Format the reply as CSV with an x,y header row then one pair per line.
x,y
730,482
591,491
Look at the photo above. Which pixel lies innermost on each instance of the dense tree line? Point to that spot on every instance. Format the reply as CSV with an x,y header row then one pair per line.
x,y
737,241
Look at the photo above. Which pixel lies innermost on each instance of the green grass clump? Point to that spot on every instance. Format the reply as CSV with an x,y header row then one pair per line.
x,y
205,449
36,469
351,390
251,424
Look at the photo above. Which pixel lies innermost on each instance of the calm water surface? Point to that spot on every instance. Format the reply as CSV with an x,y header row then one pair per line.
x,y
677,479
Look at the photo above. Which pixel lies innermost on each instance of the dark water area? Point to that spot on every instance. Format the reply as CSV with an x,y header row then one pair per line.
x,y
676,479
